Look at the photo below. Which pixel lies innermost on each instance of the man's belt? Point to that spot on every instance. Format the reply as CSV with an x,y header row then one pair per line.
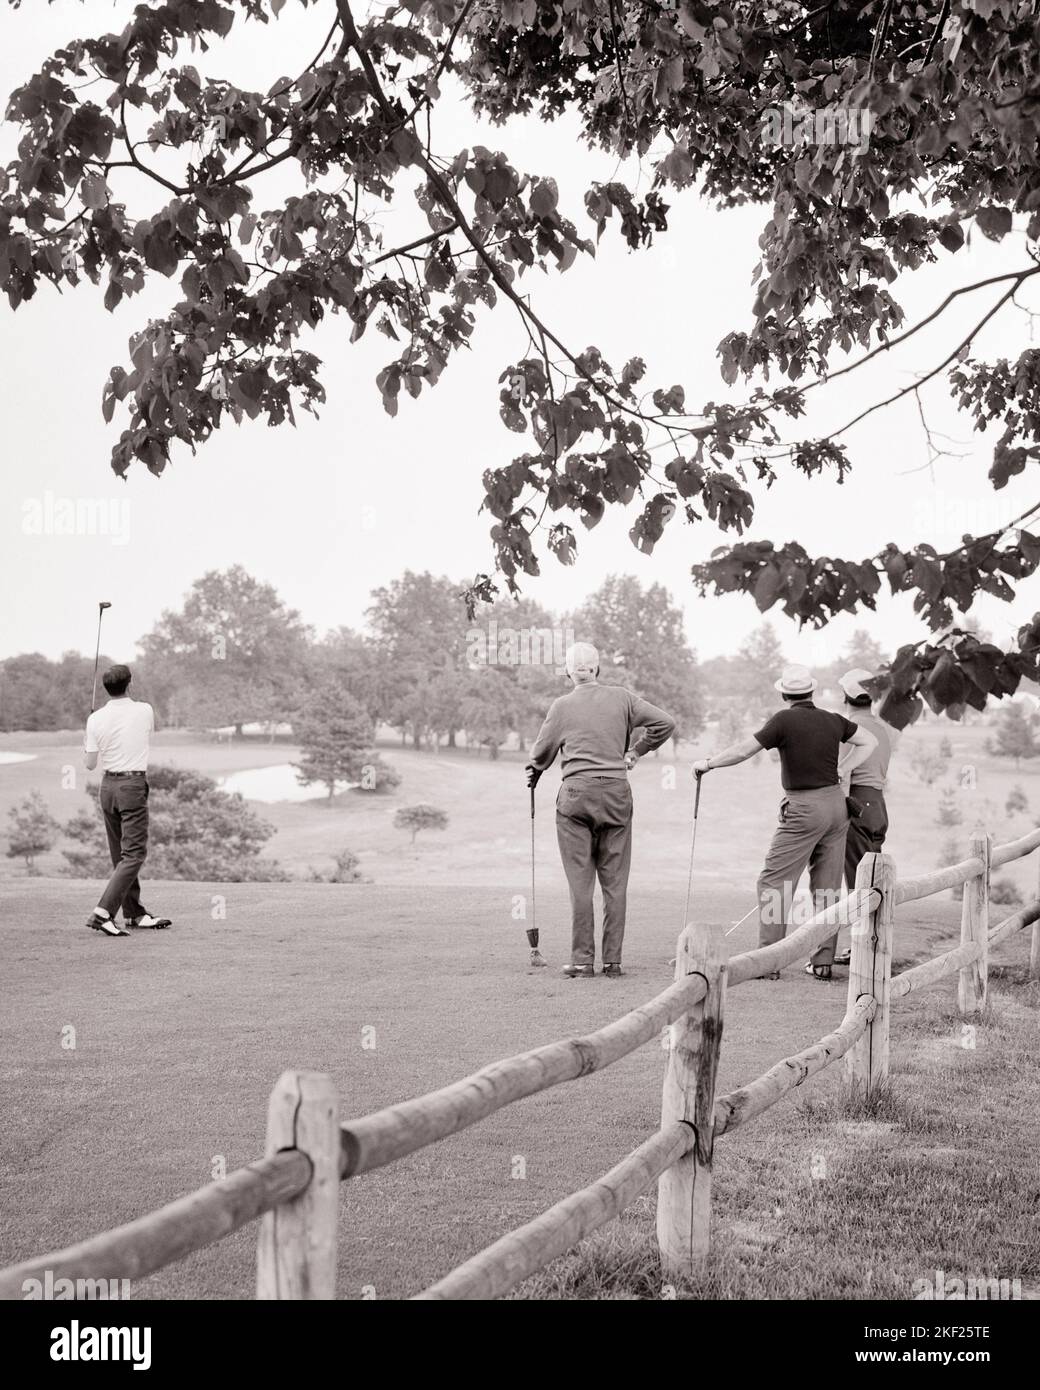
x,y
131,772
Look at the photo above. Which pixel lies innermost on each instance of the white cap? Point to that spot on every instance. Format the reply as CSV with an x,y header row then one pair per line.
x,y
581,654
852,682
795,680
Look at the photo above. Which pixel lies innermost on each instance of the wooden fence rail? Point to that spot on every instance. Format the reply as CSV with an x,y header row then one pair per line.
x,y
174,1231
390,1134
294,1189
528,1249
740,1106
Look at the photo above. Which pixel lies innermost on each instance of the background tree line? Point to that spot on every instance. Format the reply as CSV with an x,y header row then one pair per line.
x,y
235,654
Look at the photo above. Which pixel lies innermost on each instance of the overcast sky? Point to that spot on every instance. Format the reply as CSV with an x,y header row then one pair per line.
x,y
341,505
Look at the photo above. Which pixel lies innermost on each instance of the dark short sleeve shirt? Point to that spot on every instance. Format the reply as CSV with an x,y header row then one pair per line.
x,y
809,740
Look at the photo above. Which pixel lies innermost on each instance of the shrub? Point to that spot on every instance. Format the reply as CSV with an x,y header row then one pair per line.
x,y
949,811
347,868
1004,892
33,830
375,775
196,832
953,852
420,817
1017,802
929,766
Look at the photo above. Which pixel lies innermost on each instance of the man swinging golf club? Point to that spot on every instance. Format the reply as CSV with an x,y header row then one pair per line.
x,y
118,735
592,728
813,814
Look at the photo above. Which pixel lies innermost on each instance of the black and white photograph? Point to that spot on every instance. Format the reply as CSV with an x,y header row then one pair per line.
x,y
519,674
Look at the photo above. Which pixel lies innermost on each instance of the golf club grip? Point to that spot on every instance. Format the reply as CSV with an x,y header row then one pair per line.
x,y
699,777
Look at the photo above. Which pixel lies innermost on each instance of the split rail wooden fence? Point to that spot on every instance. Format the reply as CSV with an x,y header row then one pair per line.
x,y
294,1190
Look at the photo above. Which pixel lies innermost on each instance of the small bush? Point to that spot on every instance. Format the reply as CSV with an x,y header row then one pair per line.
x,y
195,832
929,766
377,776
420,817
1005,892
1017,802
33,830
347,868
953,852
949,812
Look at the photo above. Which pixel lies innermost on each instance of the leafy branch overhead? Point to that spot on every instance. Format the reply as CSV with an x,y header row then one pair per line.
x,y
134,163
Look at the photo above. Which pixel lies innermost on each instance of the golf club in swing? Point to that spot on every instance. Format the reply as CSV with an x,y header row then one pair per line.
x,y
532,931
97,652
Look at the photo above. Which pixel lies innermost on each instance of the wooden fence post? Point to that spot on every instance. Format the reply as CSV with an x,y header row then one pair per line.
x,y
684,1190
973,980
870,972
296,1250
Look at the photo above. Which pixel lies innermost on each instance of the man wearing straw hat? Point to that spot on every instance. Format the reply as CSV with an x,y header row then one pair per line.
x,y
867,785
813,815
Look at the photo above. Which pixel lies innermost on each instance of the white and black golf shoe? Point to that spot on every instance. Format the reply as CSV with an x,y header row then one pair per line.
x,y
105,925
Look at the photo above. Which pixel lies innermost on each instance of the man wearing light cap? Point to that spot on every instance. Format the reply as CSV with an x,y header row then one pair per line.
x,y
592,727
813,815
867,831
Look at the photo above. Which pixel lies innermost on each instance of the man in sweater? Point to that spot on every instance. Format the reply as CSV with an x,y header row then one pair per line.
x,y
118,734
592,727
867,831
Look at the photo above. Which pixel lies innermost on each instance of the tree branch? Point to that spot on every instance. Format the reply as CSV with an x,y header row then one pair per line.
x,y
880,405
136,162
411,245
617,59
1017,275
448,199
940,25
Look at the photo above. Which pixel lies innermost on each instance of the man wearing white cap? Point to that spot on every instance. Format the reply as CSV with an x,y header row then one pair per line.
x,y
867,831
813,815
592,727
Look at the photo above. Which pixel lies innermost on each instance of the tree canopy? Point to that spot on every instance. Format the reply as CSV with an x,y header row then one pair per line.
x,y
133,163
234,652
640,631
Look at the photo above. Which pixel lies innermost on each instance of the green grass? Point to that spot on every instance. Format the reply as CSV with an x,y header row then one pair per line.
x,y
181,1035
828,1203
487,843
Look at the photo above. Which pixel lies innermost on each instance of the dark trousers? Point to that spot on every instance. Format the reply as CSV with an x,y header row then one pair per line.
x,y
810,833
124,804
594,831
867,831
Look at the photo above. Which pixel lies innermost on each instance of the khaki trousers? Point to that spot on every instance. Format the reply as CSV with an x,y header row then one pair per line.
x,y
810,832
594,832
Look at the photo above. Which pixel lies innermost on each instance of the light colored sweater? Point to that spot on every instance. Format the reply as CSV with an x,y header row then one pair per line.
x,y
592,725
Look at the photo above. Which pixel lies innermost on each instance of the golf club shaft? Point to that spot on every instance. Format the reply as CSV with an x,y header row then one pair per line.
x,y
97,655
693,846
532,931
743,919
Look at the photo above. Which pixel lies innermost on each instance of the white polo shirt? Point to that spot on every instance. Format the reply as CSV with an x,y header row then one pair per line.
x,y
119,731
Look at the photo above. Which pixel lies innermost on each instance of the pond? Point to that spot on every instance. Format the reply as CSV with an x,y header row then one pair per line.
x,y
275,783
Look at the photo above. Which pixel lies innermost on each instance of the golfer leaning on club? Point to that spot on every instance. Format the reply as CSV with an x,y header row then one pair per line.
x,y
813,815
592,727
118,734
